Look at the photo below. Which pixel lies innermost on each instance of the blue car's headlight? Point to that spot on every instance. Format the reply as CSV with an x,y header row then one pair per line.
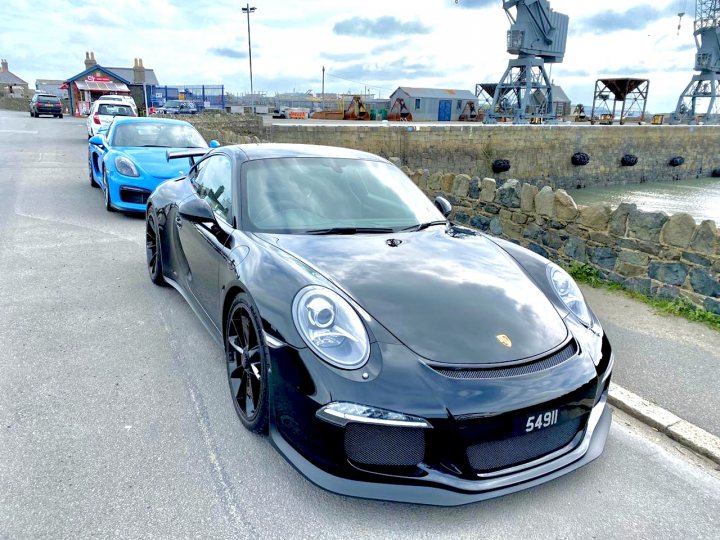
x,y
125,167
331,327
569,292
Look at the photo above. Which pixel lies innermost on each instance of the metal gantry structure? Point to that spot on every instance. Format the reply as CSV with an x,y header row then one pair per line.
x,y
700,101
631,93
537,35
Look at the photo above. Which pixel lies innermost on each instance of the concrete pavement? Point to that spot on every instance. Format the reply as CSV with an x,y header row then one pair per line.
x,y
115,418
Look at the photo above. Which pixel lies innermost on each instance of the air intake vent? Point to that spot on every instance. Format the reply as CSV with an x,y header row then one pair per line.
x,y
492,455
386,446
555,359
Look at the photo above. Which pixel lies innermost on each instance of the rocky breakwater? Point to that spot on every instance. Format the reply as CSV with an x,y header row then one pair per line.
x,y
227,128
649,252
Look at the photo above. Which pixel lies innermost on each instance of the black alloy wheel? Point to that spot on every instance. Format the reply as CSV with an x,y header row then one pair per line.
x,y
247,362
152,251
106,187
93,183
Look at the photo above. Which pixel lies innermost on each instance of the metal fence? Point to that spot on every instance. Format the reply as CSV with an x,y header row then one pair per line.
x,y
203,96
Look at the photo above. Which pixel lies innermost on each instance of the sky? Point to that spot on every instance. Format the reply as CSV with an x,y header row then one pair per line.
x,y
372,46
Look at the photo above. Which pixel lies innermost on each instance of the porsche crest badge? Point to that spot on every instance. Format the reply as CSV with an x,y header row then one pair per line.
x,y
504,340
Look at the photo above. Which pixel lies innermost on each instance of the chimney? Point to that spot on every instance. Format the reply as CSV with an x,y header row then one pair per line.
x,y
90,60
138,71
4,65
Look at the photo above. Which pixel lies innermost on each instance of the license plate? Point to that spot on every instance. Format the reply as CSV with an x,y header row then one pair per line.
x,y
541,420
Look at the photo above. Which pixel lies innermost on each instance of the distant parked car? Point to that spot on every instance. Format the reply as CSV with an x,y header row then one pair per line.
x,y
128,160
45,104
176,106
127,100
103,112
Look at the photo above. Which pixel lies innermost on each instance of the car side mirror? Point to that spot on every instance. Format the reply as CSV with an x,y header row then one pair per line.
x,y
214,144
442,204
197,210
97,140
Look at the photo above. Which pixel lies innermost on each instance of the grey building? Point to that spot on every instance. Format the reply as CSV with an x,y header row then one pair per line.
x,y
50,86
433,104
561,103
9,82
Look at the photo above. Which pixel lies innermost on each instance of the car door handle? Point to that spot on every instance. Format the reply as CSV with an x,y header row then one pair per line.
x,y
178,221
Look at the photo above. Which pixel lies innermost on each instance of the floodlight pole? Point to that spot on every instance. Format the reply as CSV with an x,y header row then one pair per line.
x,y
247,9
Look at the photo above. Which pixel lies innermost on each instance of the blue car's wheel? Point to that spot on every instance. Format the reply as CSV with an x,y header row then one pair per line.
x,y
247,362
152,251
93,183
108,202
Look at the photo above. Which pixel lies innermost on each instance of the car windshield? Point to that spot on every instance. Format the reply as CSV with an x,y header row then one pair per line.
x,y
112,109
166,135
48,99
172,103
326,195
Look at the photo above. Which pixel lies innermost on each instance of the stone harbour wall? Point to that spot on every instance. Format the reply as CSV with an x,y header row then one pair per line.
x,y
540,155
649,252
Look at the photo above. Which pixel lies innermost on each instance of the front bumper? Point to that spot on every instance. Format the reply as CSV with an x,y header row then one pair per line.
x,y
131,194
465,415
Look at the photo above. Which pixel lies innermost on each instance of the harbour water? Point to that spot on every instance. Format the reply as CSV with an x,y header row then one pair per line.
x,y
700,198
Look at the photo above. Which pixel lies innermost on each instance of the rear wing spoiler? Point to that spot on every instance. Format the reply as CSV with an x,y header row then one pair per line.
x,y
191,153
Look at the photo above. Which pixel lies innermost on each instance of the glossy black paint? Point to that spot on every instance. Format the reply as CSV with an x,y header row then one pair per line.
x,y
438,296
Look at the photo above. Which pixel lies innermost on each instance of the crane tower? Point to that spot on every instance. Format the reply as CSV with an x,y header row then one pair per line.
x,y
537,35
700,102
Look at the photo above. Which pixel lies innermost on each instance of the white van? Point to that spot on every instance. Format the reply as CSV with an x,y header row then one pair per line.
x,y
125,99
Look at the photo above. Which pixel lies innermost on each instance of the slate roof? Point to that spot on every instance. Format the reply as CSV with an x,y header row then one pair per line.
x,y
437,93
129,75
8,77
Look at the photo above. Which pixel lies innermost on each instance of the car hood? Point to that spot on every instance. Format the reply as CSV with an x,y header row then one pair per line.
x,y
154,161
448,296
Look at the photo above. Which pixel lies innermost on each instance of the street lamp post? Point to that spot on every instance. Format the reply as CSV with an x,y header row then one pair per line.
x,y
247,9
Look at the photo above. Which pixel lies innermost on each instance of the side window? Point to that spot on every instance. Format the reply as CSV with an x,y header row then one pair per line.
x,y
459,105
214,184
417,104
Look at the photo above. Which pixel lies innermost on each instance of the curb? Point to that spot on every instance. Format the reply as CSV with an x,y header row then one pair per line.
x,y
687,434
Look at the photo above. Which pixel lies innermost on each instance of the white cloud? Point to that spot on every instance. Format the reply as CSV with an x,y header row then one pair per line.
x,y
205,41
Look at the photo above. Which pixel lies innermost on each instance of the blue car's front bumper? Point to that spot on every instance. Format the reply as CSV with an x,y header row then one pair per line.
x,y
130,194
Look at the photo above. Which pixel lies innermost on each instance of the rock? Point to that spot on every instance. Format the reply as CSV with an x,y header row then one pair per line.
x,y
634,257
424,179
474,191
696,259
552,240
519,217
630,270
532,246
640,285
435,181
646,225
527,198
492,208
671,273
603,257
488,188
505,215
596,217
713,306
533,232
705,238
601,238
496,227
619,218
395,161
667,292
512,230
509,194
447,181
461,185
565,207
575,248
704,283
406,170
678,230
462,218
480,222
545,202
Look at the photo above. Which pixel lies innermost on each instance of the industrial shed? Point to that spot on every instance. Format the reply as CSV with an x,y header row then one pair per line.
x,y
433,104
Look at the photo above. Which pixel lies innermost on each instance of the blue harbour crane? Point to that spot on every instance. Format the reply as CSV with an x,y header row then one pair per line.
x,y
700,101
538,36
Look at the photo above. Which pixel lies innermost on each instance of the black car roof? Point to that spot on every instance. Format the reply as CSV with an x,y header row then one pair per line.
x,y
276,150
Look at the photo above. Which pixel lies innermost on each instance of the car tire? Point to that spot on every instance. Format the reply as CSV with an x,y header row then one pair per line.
x,y
93,183
247,360
106,188
153,252
60,116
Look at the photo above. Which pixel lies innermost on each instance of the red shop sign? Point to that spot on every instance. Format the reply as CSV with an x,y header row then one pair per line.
x,y
97,78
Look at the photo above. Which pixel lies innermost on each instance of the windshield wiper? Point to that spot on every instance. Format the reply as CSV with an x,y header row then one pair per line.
x,y
421,226
350,230
153,146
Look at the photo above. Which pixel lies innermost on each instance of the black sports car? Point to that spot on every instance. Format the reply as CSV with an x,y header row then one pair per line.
x,y
391,354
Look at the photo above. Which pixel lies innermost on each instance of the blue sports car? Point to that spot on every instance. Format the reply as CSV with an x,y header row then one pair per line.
x,y
129,160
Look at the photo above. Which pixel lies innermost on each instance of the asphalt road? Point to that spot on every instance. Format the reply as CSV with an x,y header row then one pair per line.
x,y
115,418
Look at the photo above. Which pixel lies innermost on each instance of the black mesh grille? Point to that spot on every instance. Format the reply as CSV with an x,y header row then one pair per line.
x,y
134,195
384,445
548,362
492,455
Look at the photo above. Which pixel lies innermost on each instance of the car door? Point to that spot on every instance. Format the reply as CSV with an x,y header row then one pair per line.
x,y
203,244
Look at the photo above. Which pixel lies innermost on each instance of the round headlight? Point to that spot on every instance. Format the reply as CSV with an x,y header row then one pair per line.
x,y
331,327
125,167
569,292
